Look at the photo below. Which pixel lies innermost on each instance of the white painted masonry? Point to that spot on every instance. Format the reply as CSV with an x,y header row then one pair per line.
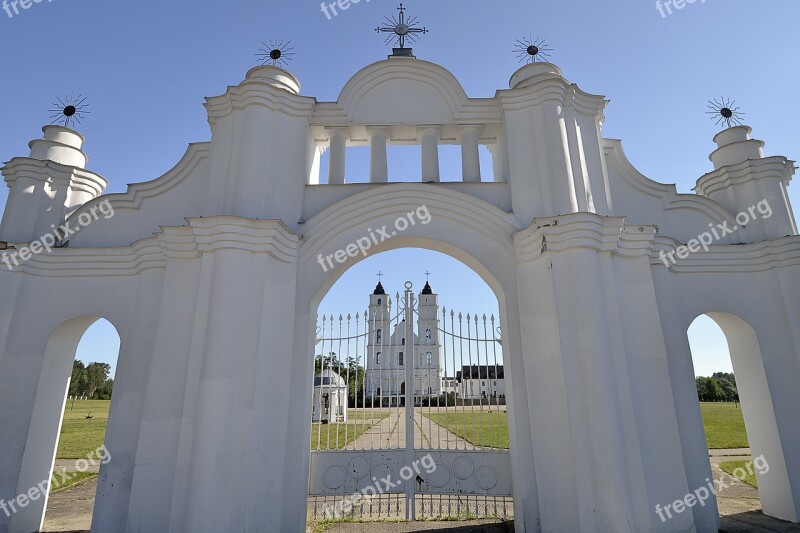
x,y
210,275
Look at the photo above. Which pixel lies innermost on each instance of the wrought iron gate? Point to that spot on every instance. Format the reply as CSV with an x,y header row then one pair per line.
x,y
410,429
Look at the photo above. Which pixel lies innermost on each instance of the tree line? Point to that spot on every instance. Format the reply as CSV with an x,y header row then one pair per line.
x,y
92,381
720,387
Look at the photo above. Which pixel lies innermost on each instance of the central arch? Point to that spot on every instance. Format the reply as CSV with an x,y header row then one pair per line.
x,y
467,229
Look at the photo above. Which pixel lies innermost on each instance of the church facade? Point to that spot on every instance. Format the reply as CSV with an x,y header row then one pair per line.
x,y
389,350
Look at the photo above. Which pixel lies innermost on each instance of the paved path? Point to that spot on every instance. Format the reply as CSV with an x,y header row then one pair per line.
x,y
391,434
69,465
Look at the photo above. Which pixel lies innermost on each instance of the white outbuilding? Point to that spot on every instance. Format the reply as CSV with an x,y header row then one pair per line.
x,y
330,398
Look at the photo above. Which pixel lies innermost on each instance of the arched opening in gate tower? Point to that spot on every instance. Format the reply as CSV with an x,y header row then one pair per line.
x,y
68,425
410,403
744,448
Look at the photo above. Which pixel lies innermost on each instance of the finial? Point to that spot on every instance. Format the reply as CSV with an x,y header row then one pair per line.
x,y
725,111
70,110
380,275
532,50
427,275
278,52
400,30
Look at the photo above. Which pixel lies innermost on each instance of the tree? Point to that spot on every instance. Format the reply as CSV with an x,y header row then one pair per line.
x,y
78,381
708,390
97,375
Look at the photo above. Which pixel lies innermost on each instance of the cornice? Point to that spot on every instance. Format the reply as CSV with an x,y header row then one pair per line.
x,y
255,92
719,259
79,178
777,167
583,231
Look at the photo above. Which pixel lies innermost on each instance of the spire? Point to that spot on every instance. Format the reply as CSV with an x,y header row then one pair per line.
x,y
427,289
379,289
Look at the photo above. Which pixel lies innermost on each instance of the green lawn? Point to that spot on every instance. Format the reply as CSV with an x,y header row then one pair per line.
x,y
326,435
742,471
76,478
724,425
490,430
81,436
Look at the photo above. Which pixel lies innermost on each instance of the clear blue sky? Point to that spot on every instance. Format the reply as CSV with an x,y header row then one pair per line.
x,y
147,66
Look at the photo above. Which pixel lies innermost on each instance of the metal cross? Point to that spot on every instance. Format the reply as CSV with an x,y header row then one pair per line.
x,y
427,275
400,28
380,274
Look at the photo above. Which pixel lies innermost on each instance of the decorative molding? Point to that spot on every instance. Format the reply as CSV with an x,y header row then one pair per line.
x,y
555,89
137,193
70,176
272,237
365,209
583,230
721,259
777,167
144,254
666,193
257,92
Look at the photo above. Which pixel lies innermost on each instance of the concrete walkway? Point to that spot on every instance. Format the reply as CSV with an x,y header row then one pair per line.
x,y
391,434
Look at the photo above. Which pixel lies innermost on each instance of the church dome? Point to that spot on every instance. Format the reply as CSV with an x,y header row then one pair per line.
x,y
379,289
329,378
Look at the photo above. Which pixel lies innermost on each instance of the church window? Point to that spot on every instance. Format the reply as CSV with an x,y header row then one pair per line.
x,y
378,358
378,336
427,336
400,359
429,358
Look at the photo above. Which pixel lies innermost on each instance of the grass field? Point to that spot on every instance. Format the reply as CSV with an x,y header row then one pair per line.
x,y
81,436
359,422
724,425
743,473
76,478
489,429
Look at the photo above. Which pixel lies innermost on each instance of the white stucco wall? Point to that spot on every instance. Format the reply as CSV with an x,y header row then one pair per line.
x,y
210,276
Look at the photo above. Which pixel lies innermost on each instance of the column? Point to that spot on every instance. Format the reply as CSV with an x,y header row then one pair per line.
x,y
470,158
430,153
378,164
336,165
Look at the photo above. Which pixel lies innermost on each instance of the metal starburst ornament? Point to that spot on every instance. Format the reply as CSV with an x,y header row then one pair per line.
x,y
277,53
531,50
724,111
401,29
70,110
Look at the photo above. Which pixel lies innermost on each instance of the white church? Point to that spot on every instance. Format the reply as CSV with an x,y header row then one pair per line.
x,y
388,350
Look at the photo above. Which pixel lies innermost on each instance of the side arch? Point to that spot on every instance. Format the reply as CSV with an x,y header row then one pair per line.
x,y
759,413
45,421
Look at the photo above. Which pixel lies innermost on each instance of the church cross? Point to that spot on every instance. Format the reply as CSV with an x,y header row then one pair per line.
x,y
400,28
